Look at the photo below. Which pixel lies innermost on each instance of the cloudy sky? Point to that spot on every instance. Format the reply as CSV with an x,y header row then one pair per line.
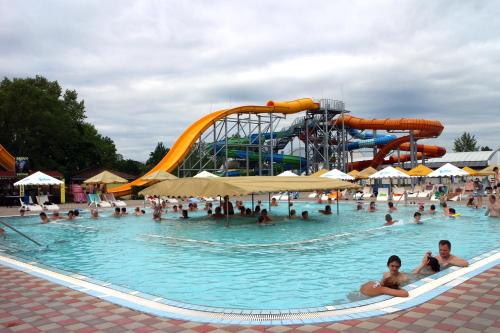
x,y
147,69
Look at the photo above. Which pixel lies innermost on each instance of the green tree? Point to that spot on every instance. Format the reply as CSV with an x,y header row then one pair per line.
x,y
486,148
129,166
466,142
156,155
39,121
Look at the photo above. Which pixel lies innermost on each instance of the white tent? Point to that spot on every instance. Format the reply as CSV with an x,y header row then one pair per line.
x,y
38,178
287,173
448,170
337,174
205,174
388,172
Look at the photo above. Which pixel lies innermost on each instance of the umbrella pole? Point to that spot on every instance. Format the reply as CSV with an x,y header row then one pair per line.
x,y
227,212
338,202
288,204
253,208
269,201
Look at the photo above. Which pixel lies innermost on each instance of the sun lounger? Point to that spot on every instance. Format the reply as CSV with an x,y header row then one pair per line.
x,y
413,194
424,194
43,200
30,206
276,196
208,199
109,197
174,200
367,192
383,194
94,199
312,195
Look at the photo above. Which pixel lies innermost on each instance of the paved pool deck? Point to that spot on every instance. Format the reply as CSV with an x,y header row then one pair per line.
x,y
31,304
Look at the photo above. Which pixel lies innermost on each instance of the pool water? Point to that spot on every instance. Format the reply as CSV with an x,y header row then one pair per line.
x,y
286,264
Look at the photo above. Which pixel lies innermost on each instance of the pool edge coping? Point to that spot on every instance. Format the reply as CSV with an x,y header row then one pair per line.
x,y
420,292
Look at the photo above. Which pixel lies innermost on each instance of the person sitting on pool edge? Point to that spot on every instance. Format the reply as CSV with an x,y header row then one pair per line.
x,y
389,220
429,265
44,218
326,211
417,217
445,257
391,206
305,215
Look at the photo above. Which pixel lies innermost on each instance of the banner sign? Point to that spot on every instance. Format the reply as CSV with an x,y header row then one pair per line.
x,y
22,166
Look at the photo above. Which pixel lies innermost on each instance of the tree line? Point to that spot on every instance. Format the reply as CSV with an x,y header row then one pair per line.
x,y
40,120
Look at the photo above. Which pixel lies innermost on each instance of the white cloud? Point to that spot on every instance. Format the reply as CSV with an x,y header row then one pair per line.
x,y
148,69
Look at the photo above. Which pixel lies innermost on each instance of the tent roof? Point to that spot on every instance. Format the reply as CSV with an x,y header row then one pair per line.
x,y
420,171
158,175
287,173
319,172
204,174
105,177
389,172
337,174
365,173
38,178
203,187
448,170
471,171
353,173
488,171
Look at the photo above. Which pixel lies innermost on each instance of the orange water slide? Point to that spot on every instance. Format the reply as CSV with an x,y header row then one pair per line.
x,y
7,161
183,145
422,129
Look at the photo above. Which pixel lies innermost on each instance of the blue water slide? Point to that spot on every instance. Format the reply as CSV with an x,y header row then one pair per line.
x,y
367,139
254,138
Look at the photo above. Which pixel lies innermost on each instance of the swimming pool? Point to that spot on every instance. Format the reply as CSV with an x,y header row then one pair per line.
x,y
289,264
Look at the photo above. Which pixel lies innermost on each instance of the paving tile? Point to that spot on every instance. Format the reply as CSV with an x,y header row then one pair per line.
x,y
29,303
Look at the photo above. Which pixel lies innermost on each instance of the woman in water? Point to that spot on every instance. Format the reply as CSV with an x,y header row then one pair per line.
x,y
429,265
391,281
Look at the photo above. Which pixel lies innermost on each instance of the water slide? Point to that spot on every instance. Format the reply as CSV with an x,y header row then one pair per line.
x,y
7,161
422,129
187,139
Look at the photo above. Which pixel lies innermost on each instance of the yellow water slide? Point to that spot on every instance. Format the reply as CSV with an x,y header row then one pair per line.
x,y
7,161
183,145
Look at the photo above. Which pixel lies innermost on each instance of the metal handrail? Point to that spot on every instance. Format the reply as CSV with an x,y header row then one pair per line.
x,y
20,233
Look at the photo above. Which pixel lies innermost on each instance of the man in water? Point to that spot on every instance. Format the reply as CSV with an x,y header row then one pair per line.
x,y
44,218
417,217
445,257
326,211
389,220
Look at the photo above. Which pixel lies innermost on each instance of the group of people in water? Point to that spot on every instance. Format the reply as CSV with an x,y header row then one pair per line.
x,y
393,280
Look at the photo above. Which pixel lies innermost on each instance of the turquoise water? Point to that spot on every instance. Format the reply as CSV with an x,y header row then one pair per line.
x,y
288,264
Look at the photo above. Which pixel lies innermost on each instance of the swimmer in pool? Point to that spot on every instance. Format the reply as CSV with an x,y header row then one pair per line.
x,y
391,281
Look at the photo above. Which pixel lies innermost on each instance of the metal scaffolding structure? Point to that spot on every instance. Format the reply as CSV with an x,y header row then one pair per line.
x,y
254,144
